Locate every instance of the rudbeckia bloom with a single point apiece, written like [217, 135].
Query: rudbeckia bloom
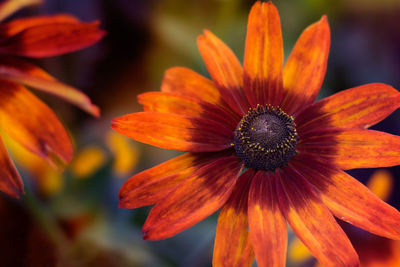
[262, 151]
[23, 116]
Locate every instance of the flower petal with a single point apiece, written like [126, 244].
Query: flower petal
[352, 148]
[305, 68]
[225, 70]
[171, 131]
[184, 105]
[152, 185]
[32, 124]
[312, 222]
[10, 181]
[8, 7]
[232, 246]
[20, 71]
[52, 39]
[184, 81]
[204, 192]
[263, 58]
[18, 25]
[267, 225]
[347, 198]
[359, 107]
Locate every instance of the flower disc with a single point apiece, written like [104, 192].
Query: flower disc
[266, 138]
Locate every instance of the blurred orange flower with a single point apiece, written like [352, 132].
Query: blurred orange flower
[23, 116]
[261, 150]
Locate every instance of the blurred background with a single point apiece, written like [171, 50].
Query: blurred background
[72, 218]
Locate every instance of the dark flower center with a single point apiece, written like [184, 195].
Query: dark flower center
[266, 138]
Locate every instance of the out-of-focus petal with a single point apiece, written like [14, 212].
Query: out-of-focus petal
[52, 39]
[347, 198]
[48, 181]
[171, 131]
[232, 246]
[359, 107]
[381, 183]
[225, 70]
[88, 161]
[197, 197]
[184, 105]
[10, 181]
[17, 25]
[125, 153]
[352, 148]
[263, 58]
[20, 71]
[298, 252]
[305, 68]
[152, 185]
[312, 222]
[8, 7]
[267, 225]
[33, 124]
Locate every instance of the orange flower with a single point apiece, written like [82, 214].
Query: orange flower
[23, 116]
[260, 149]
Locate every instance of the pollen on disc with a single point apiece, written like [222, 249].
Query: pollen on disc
[266, 138]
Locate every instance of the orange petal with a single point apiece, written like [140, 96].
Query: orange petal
[359, 107]
[52, 39]
[17, 25]
[268, 230]
[183, 81]
[32, 124]
[305, 68]
[204, 192]
[10, 181]
[232, 246]
[312, 222]
[347, 198]
[184, 105]
[8, 7]
[26, 73]
[263, 58]
[171, 131]
[225, 70]
[152, 185]
[352, 148]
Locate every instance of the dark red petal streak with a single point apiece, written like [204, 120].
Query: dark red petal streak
[347, 198]
[10, 181]
[152, 185]
[312, 222]
[225, 70]
[172, 131]
[20, 71]
[185, 105]
[359, 107]
[52, 39]
[305, 68]
[263, 58]
[32, 124]
[194, 199]
[352, 148]
[232, 246]
[267, 225]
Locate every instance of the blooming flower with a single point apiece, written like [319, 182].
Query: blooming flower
[23, 116]
[262, 151]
